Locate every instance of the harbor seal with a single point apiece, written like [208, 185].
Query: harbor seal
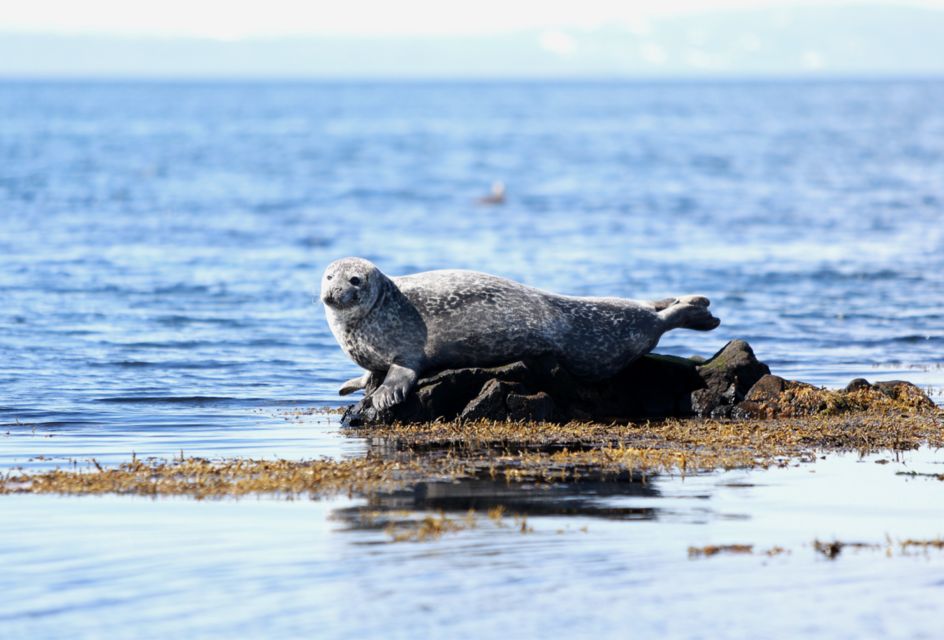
[398, 328]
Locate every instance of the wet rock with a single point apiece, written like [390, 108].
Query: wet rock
[537, 407]
[653, 386]
[490, 403]
[727, 376]
[897, 389]
[761, 397]
[774, 397]
[856, 384]
[731, 384]
[543, 390]
[905, 395]
[769, 387]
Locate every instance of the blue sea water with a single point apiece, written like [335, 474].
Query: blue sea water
[160, 247]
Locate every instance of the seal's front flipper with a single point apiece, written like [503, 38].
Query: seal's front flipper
[395, 388]
[354, 384]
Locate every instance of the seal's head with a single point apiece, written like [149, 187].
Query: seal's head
[351, 286]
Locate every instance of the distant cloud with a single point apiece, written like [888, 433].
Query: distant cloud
[653, 53]
[703, 60]
[638, 25]
[245, 19]
[750, 42]
[558, 42]
[813, 60]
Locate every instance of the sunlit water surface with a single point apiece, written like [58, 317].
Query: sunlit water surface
[160, 247]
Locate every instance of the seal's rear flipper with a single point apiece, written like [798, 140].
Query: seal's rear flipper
[689, 312]
[665, 303]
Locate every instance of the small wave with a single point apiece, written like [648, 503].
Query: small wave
[165, 399]
[915, 339]
[268, 342]
[49, 424]
[285, 204]
[314, 242]
[123, 363]
[173, 364]
[179, 320]
[170, 344]
[181, 287]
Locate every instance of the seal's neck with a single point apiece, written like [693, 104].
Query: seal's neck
[386, 288]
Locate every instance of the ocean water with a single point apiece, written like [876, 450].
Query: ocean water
[161, 245]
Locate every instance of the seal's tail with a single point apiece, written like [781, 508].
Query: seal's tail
[687, 312]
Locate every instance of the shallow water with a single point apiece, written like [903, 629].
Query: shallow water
[597, 564]
[160, 248]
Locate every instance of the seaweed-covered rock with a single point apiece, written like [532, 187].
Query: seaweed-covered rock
[731, 384]
[761, 397]
[773, 397]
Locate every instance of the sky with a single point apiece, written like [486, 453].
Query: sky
[240, 19]
[485, 38]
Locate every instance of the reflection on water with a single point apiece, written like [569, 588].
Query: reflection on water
[587, 498]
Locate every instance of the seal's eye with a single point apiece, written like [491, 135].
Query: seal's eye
[329, 277]
[355, 281]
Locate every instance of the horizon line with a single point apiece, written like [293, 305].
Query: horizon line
[702, 76]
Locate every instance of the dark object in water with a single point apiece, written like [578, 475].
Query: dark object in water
[496, 196]
[731, 384]
[832, 549]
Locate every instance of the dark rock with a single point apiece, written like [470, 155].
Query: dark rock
[727, 377]
[541, 389]
[722, 412]
[490, 403]
[769, 387]
[760, 397]
[856, 384]
[537, 407]
[896, 388]
[906, 395]
[704, 401]
[730, 384]
[653, 386]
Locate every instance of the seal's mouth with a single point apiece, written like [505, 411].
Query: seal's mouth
[339, 299]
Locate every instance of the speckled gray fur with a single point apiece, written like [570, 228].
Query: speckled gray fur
[402, 327]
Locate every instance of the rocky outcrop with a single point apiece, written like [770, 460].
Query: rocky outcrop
[731, 384]
[775, 397]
